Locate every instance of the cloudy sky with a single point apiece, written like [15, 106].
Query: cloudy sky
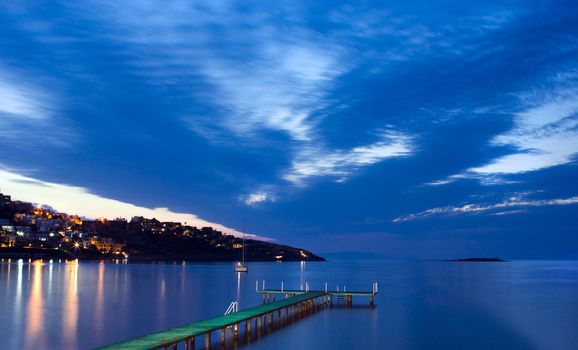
[406, 129]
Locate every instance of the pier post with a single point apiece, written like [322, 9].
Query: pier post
[208, 341]
[259, 322]
[248, 326]
[222, 336]
[349, 300]
[236, 330]
[371, 300]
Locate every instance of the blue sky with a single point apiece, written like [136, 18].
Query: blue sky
[405, 129]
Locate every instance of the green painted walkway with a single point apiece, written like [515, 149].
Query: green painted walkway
[182, 333]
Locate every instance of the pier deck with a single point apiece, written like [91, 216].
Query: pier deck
[188, 332]
[347, 296]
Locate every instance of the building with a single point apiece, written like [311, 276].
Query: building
[5, 198]
[8, 240]
[106, 245]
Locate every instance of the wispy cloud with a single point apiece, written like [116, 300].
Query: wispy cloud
[545, 133]
[28, 107]
[280, 89]
[21, 101]
[516, 202]
[78, 200]
[273, 81]
[258, 197]
[341, 164]
[260, 74]
[241, 62]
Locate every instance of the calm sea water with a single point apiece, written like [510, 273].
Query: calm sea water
[420, 305]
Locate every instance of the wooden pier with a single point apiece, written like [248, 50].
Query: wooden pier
[341, 294]
[296, 305]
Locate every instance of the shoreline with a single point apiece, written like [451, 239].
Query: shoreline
[55, 253]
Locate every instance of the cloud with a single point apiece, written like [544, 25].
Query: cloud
[258, 197]
[279, 87]
[21, 101]
[79, 201]
[544, 135]
[255, 71]
[241, 62]
[29, 107]
[341, 164]
[516, 202]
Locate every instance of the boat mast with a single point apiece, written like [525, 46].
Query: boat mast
[243, 250]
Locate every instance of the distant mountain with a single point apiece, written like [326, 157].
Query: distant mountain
[354, 255]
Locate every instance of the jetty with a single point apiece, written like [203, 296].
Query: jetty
[296, 305]
[342, 294]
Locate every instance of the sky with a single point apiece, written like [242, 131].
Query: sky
[406, 129]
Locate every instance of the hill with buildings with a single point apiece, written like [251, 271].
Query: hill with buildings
[29, 231]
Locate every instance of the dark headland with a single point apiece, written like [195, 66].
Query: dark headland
[28, 231]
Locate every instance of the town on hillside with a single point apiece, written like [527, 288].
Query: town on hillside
[29, 231]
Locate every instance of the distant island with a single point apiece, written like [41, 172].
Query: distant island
[478, 260]
[28, 231]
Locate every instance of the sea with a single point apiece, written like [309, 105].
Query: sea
[419, 305]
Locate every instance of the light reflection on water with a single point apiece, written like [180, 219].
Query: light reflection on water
[34, 334]
[518, 305]
[99, 301]
[70, 305]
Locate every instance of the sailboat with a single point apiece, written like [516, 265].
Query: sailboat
[240, 265]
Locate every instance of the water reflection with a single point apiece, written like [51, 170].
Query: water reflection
[35, 309]
[70, 306]
[238, 297]
[422, 305]
[302, 275]
[18, 297]
[99, 300]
